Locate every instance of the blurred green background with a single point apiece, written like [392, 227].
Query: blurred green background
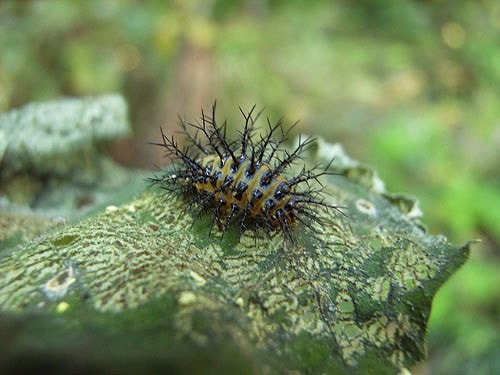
[409, 87]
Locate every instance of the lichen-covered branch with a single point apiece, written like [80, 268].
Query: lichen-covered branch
[145, 283]
[362, 288]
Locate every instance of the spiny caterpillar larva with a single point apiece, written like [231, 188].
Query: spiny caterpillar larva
[242, 181]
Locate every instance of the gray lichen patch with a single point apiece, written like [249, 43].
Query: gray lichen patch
[57, 286]
[51, 160]
[366, 207]
[50, 136]
[360, 283]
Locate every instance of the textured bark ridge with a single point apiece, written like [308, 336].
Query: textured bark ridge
[143, 285]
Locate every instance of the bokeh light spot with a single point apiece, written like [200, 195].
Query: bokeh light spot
[128, 57]
[453, 34]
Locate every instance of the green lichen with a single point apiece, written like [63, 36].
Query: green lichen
[355, 296]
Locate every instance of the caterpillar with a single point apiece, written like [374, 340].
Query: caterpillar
[242, 181]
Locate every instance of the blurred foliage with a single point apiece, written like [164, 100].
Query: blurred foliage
[410, 87]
